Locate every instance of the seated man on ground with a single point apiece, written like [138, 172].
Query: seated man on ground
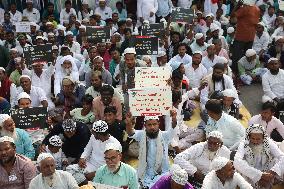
[256, 155]
[197, 159]
[116, 173]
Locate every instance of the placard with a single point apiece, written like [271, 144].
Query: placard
[145, 45]
[156, 29]
[152, 77]
[23, 27]
[28, 118]
[182, 15]
[98, 34]
[281, 5]
[102, 186]
[150, 101]
[38, 54]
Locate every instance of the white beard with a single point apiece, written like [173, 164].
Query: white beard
[257, 149]
[9, 134]
[114, 169]
[67, 71]
[49, 180]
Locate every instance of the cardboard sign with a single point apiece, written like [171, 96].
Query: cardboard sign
[156, 29]
[281, 5]
[145, 45]
[103, 186]
[182, 15]
[38, 54]
[98, 34]
[150, 101]
[29, 118]
[23, 27]
[152, 77]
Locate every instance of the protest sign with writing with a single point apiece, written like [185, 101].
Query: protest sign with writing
[281, 5]
[29, 118]
[152, 77]
[150, 101]
[23, 27]
[38, 54]
[103, 186]
[98, 34]
[156, 29]
[182, 15]
[145, 45]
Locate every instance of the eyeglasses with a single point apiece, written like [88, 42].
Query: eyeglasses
[110, 158]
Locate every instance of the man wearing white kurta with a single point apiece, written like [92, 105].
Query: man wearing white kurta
[51, 178]
[223, 176]
[272, 81]
[232, 130]
[256, 155]
[146, 10]
[197, 159]
[93, 156]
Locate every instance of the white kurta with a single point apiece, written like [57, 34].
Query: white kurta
[144, 7]
[195, 75]
[273, 85]
[94, 152]
[274, 123]
[62, 180]
[261, 42]
[208, 63]
[250, 172]
[197, 158]
[211, 181]
[187, 59]
[33, 16]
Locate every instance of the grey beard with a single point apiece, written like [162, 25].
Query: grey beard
[67, 71]
[49, 180]
[256, 149]
[9, 134]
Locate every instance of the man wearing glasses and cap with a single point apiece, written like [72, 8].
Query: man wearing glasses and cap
[115, 172]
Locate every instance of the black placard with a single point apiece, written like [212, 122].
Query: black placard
[145, 45]
[182, 15]
[38, 54]
[29, 118]
[98, 34]
[156, 29]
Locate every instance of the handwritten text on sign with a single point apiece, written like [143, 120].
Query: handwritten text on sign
[150, 101]
[152, 77]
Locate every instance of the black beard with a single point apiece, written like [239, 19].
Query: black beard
[216, 79]
[274, 72]
[152, 135]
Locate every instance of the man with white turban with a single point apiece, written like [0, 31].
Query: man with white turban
[223, 176]
[249, 67]
[231, 103]
[16, 171]
[197, 159]
[51, 178]
[116, 173]
[176, 179]
[93, 156]
[256, 155]
[21, 138]
[65, 66]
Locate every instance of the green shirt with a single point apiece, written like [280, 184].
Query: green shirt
[15, 77]
[126, 176]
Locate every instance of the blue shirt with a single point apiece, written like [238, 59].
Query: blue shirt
[24, 144]
[164, 8]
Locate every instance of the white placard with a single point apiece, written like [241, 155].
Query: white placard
[23, 27]
[150, 101]
[152, 77]
[249, 2]
[281, 5]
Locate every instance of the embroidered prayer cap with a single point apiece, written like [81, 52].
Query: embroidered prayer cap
[25, 76]
[175, 65]
[161, 54]
[113, 146]
[55, 141]
[128, 19]
[86, 20]
[82, 27]
[3, 69]
[178, 174]
[50, 34]
[61, 27]
[146, 118]
[7, 139]
[230, 30]
[198, 12]
[23, 95]
[222, 60]
[272, 59]
[198, 36]
[209, 15]
[250, 52]
[3, 118]
[261, 23]
[215, 134]
[214, 27]
[14, 49]
[54, 47]
[69, 125]
[100, 126]
[129, 51]
[69, 33]
[49, 23]
[197, 52]
[218, 163]
[98, 57]
[43, 156]
[230, 93]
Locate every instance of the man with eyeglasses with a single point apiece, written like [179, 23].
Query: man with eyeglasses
[197, 159]
[115, 172]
